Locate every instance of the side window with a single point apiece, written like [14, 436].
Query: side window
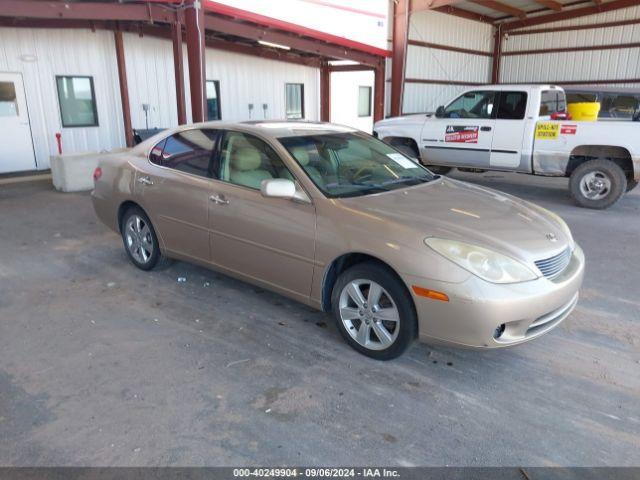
[471, 105]
[551, 101]
[188, 151]
[294, 100]
[156, 152]
[512, 105]
[77, 101]
[619, 105]
[246, 160]
[213, 100]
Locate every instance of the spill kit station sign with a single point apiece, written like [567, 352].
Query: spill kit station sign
[461, 134]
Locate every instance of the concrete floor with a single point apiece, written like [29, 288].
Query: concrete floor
[103, 364]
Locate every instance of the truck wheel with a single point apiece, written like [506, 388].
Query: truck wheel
[631, 184]
[438, 169]
[597, 184]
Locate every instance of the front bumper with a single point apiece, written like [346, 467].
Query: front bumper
[477, 308]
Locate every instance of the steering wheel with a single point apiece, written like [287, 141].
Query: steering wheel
[358, 176]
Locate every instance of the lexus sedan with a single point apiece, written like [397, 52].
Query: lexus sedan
[341, 221]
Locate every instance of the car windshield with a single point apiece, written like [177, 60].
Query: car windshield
[353, 164]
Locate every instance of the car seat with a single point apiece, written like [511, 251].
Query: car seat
[245, 167]
[301, 154]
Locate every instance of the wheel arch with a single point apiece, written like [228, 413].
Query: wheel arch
[122, 209]
[396, 141]
[616, 154]
[344, 262]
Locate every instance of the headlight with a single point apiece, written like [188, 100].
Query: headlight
[486, 264]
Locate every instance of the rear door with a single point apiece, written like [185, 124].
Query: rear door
[16, 153]
[462, 136]
[511, 123]
[174, 189]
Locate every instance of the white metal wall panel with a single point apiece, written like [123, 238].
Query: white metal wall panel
[421, 97]
[41, 54]
[564, 67]
[444, 65]
[445, 29]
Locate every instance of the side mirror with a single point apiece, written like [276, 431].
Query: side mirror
[440, 111]
[278, 188]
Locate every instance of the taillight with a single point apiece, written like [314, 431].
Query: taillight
[97, 173]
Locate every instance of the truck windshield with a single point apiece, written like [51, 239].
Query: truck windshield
[353, 164]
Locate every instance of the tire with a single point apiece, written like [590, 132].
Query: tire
[360, 323]
[438, 169]
[409, 151]
[631, 184]
[597, 184]
[140, 239]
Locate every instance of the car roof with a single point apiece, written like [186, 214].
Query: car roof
[269, 128]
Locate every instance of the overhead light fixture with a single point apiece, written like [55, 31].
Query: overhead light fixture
[274, 45]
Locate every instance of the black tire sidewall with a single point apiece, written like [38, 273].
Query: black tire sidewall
[404, 303]
[155, 256]
[631, 184]
[612, 170]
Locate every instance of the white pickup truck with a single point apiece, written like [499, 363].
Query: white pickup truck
[523, 128]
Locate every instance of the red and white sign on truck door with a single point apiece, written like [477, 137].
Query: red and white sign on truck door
[461, 134]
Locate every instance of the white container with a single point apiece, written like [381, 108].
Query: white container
[74, 172]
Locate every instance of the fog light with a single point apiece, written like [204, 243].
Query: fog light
[499, 331]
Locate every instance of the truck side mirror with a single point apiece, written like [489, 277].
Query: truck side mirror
[440, 111]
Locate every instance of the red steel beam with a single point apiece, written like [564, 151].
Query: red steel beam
[449, 48]
[587, 26]
[325, 93]
[458, 12]
[551, 4]
[613, 46]
[308, 45]
[350, 68]
[501, 7]
[195, 27]
[178, 68]
[497, 55]
[85, 10]
[417, 5]
[378, 92]
[569, 14]
[262, 52]
[441, 82]
[124, 88]
[398, 53]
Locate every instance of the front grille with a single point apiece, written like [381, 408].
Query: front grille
[553, 266]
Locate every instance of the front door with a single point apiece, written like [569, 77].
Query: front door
[176, 185]
[509, 131]
[16, 153]
[269, 240]
[462, 135]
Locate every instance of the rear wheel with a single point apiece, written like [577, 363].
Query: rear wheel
[373, 311]
[597, 184]
[140, 240]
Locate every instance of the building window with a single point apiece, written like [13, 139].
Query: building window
[8, 100]
[213, 100]
[294, 93]
[77, 101]
[364, 101]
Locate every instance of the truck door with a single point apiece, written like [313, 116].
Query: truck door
[506, 148]
[462, 133]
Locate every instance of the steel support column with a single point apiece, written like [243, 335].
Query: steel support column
[178, 66]
[497, 55]
[378, 92]
[124, 89]
[398, 53]
[325, 93]
[194, 23]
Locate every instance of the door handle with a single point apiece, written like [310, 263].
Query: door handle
[219, 199]
[145, 181]
[485, 129]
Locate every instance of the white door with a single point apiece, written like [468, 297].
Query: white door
[16, 153]
[462, 134]
[506, 149]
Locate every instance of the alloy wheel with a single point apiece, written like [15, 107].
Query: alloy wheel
[595, 185]
[138, 239]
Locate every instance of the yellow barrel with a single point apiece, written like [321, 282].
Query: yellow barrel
[584, 111]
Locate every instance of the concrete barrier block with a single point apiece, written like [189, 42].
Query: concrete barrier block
[74, 172]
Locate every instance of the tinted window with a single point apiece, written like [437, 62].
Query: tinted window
[294, 99]
[213, 100]
[364, 101]
[189, 151]
[551, 101]
[156, 152]
[471, 105]
[77, 101]
[619, 105]
[246, 160]
[512, 105]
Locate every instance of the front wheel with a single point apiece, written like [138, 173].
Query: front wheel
[597, 184]
[373, 311]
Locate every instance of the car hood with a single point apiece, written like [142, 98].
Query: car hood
[456, 210]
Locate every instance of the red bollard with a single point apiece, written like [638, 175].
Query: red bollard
[59, 140]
